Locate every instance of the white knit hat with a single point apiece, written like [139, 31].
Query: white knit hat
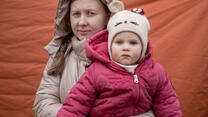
[128, 21]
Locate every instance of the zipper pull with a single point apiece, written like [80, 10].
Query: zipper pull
[136, 79]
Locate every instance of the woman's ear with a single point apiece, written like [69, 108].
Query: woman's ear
[107, 20]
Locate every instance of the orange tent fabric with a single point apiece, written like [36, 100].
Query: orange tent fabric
[178, 35]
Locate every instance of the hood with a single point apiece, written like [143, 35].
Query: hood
[97, 48]
[62, 28]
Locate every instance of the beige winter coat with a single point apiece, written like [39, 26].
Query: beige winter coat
[53, 90]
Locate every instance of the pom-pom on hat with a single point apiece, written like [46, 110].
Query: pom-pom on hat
[134, 22]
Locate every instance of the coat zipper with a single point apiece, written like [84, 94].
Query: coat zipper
[136, 80]
[137, 93]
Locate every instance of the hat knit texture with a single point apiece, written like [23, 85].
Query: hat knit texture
[128, 21]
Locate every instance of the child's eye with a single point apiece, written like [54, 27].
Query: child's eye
[133, 42]
[119, 42]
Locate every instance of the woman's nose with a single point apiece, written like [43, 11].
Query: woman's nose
[83, 20]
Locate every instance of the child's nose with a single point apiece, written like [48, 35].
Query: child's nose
[125, 47]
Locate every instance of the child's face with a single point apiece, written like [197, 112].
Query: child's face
[126, 48]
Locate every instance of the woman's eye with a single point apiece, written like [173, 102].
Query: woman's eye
[91, 13]
[76, 14]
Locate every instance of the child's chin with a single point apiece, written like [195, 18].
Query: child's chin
[125, 63]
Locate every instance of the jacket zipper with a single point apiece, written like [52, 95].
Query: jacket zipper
[136, 86]
[136, 80]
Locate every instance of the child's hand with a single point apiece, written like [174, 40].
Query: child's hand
[150, 113]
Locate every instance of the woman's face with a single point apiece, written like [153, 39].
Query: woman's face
[87, 17]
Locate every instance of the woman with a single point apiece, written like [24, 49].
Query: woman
[76, 21]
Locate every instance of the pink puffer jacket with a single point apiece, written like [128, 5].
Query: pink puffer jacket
[107, 90]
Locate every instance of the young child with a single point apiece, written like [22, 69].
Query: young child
[123, 80]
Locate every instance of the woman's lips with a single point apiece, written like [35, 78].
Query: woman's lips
[84, 32]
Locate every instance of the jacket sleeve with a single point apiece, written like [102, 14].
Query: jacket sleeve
[79, 101]
[165, 102]
[47, 102]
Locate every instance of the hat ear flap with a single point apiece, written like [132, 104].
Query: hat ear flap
[115, 6]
